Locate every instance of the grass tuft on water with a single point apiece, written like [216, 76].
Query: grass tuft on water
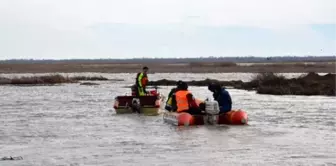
[37, 80]
[93, 78]
[46, 80]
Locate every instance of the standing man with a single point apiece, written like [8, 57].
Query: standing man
[141, 82]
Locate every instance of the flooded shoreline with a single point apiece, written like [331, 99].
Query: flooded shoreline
[129, 77]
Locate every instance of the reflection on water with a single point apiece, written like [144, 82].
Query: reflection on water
[76, 125]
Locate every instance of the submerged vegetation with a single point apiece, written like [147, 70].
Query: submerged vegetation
[275, 84]
[88, 83]
[38, 80]
[94, 78]
[309, 84]
[46, 80]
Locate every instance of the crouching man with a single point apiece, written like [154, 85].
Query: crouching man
[222, 96]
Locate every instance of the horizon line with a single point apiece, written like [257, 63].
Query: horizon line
[172, 58]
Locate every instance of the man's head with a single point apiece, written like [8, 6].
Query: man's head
[178, 83]
[213, 87]
[145, 69]
[182, 85]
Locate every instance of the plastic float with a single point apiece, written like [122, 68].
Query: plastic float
[148, 105]
[211, 117]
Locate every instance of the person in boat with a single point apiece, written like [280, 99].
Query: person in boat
[184, 101]
[222, 96]
[169, 104]
[141, 82]
[174, 90]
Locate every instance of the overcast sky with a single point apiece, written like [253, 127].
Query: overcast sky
[62, 29]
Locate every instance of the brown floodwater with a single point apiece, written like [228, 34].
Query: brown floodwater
[76, 125]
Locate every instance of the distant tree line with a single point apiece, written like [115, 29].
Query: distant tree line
[248, 59]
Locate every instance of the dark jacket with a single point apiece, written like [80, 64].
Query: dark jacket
[172, 91]
[224, 100]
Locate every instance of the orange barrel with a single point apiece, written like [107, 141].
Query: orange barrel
[185, 119]
[178, 119]
[233, 117]
[239, 117]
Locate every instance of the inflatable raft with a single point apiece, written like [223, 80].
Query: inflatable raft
[211, 117]
[147, 105]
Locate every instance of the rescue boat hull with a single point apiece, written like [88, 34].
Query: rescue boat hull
[146, 105]
[234, 117]
[145, 111]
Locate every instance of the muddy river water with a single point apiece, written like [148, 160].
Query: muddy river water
[74, 125]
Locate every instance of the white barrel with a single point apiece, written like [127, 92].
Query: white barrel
[212, 107]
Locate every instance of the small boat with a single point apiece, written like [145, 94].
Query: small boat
[211, 117]
[148, 105]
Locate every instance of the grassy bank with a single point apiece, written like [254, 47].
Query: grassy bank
[270, 83]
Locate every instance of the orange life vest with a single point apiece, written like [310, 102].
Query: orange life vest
[181, 100]
[144, 81]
